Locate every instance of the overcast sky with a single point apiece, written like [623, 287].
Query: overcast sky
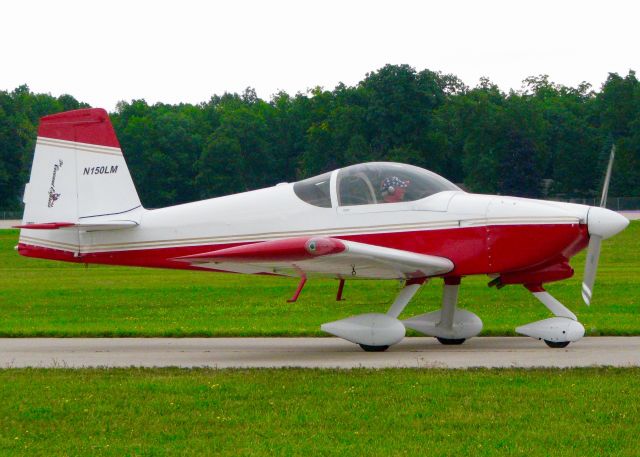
[186, 51]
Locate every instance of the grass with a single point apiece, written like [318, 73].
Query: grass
[44, 298]
[320, 412]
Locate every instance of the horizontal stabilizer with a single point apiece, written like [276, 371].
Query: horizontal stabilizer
[106, 225]
[45, 226]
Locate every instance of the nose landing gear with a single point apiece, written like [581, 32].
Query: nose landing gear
[558, 331]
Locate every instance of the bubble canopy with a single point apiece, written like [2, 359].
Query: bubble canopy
[373, 183]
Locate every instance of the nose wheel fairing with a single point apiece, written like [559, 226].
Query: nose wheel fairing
[556, 331]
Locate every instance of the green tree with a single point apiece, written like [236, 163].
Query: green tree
[619, 108]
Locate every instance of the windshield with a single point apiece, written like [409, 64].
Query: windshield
[382, 182]
[315, 191]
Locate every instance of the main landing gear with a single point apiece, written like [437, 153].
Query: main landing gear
[376, 332]
[558, 331]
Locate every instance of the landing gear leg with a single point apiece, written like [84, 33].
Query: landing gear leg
[448, 312]
[410, 288]
[450, 324]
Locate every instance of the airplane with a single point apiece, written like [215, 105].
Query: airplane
[369, 221]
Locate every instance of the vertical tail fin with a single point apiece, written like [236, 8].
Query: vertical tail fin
[79, 175]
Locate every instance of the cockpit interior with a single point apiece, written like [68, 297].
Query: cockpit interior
[371, 184]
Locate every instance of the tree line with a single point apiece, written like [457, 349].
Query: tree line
[544, 139]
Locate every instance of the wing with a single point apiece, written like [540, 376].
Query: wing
[322, 256]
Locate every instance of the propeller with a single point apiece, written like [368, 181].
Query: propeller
[602, 224]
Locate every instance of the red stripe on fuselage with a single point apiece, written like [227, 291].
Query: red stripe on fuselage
[473, 250]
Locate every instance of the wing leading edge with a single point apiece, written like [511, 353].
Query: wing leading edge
[322, 256]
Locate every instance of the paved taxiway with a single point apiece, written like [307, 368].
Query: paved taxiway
[311, 352]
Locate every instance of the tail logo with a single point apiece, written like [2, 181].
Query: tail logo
[53, 195]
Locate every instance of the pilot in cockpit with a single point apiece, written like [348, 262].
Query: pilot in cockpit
[393, 189]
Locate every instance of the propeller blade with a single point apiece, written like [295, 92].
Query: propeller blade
[601, 223]
[607, 178]
[590, 268]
